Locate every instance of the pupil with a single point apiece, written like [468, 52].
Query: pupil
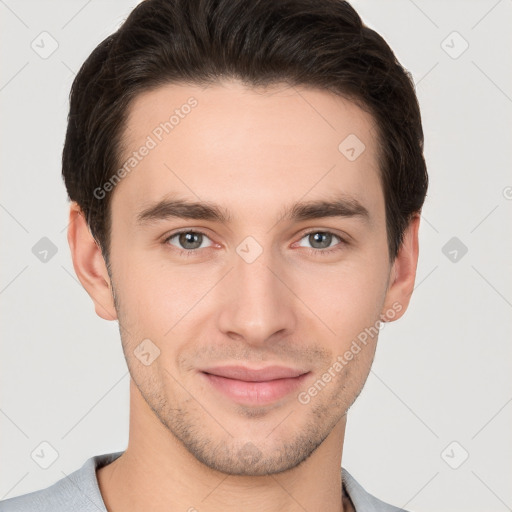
[317, 239]
[190, 238]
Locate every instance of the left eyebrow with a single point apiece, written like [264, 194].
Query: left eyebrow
[341, 206]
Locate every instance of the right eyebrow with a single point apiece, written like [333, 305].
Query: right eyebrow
[167, 208]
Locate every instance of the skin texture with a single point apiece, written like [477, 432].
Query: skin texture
[253, 152]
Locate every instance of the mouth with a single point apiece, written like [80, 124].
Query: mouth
[254, 386]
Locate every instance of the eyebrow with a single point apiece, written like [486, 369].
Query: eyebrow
[341, 206]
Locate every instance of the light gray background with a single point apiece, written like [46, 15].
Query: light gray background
[441, 374]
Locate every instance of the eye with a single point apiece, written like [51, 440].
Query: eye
[188, 240]
[321, 240]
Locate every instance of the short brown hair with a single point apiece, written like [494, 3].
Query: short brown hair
[317, 43]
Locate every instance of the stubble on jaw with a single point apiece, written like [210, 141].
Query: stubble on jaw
[214, 443]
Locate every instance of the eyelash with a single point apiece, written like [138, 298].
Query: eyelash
[311, 251]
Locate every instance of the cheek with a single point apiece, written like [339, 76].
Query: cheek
[346, 299]
[157, 296]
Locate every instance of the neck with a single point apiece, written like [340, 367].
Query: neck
[156, 468]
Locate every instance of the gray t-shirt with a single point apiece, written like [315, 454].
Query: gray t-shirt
[80, 492]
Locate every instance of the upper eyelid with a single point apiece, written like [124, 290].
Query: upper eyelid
[330, 231]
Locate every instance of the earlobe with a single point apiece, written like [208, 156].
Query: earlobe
[403, 274]
[89, 264]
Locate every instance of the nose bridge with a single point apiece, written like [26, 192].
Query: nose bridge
[258, 304]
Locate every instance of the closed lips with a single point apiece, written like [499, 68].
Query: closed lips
[255, 375]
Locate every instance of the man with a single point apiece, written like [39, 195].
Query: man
[246, 179]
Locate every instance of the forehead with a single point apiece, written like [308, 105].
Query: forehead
[251, 148]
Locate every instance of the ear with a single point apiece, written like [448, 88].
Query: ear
[402, 274]
[89, 264]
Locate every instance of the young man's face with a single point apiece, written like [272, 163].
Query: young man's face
[262, 287]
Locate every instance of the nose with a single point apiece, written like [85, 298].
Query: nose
[257, 304]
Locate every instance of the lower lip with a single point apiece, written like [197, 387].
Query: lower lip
[255, 393]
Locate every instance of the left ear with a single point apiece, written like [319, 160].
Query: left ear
[403, 274]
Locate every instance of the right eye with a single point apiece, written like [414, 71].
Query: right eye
[187, 240]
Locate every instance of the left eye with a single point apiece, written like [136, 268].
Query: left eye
[320, 239]
[188, 240]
